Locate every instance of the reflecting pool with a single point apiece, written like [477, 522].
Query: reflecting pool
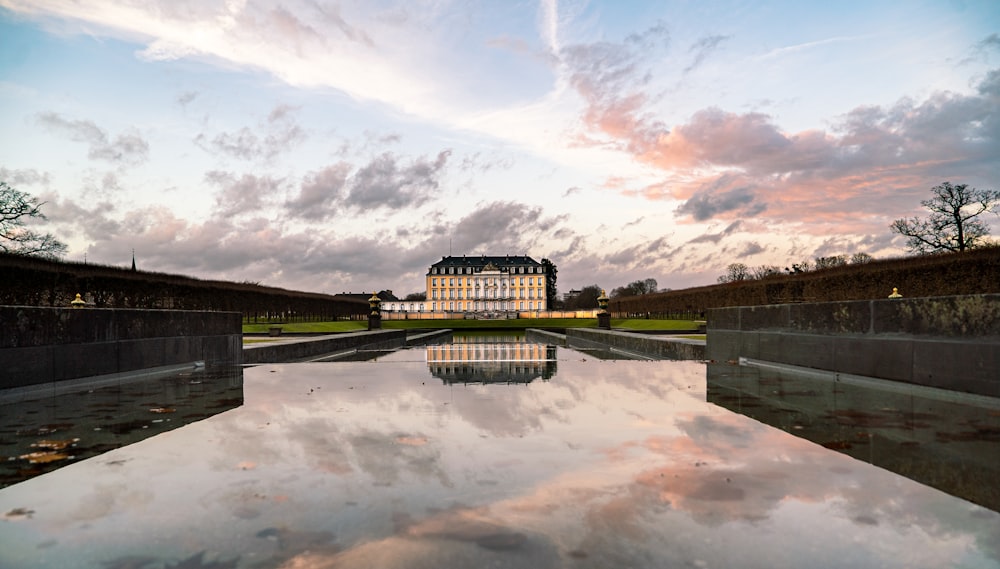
[428, 457]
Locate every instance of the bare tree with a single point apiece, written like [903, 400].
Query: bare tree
[635, 288]
[16, 207]
[831, 261]
[586, 298]
[953, 224]
[765, 271]
[735, 272]
[803, 267]
[860, 258]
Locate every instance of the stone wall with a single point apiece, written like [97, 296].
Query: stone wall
[544, 337]
[42, 344]
[948, 342]
[305, 348]
[660, 347]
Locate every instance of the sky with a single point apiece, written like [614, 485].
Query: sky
[345, 146]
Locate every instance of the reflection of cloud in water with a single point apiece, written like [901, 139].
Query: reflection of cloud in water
[386, 460]
[322, 445]
[106, 498]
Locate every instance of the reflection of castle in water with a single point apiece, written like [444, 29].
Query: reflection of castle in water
[491, 359]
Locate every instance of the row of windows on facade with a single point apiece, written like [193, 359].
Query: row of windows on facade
[465, 305]
[468, 293]
[490, 305]
[470, 270]
[489, 281]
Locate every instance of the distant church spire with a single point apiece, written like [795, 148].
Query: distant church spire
[133, 259]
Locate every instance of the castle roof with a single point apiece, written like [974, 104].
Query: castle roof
[478, 262]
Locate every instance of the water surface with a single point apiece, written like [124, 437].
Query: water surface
[396, 463]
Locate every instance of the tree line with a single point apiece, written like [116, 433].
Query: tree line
[974, 271]
[736, 272]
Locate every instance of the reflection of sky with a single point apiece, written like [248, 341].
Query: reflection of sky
[617, 464]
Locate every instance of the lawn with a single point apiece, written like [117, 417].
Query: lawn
[643, 324]
[301, 327]
[520, 324]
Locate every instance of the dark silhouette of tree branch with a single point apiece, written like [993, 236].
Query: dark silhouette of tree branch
[15, 208]
[953, 224]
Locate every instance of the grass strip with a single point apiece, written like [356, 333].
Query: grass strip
[518, 324]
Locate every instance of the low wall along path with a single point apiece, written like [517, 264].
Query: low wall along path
[41, 344]
[950, 342]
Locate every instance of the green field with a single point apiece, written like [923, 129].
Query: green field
[521, 324]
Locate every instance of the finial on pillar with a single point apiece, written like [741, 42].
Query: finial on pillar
[895, 293]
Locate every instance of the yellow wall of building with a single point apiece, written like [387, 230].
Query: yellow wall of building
[461, 290]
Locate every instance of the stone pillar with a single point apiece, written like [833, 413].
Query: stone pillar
[375, 316]
[603, 316]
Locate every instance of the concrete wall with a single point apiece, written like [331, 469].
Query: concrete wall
[41, 344]
[297, 350]
[660, 347]
[544, 337]
[947, 342]
[429, 337]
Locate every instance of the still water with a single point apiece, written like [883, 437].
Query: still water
[488, 452]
